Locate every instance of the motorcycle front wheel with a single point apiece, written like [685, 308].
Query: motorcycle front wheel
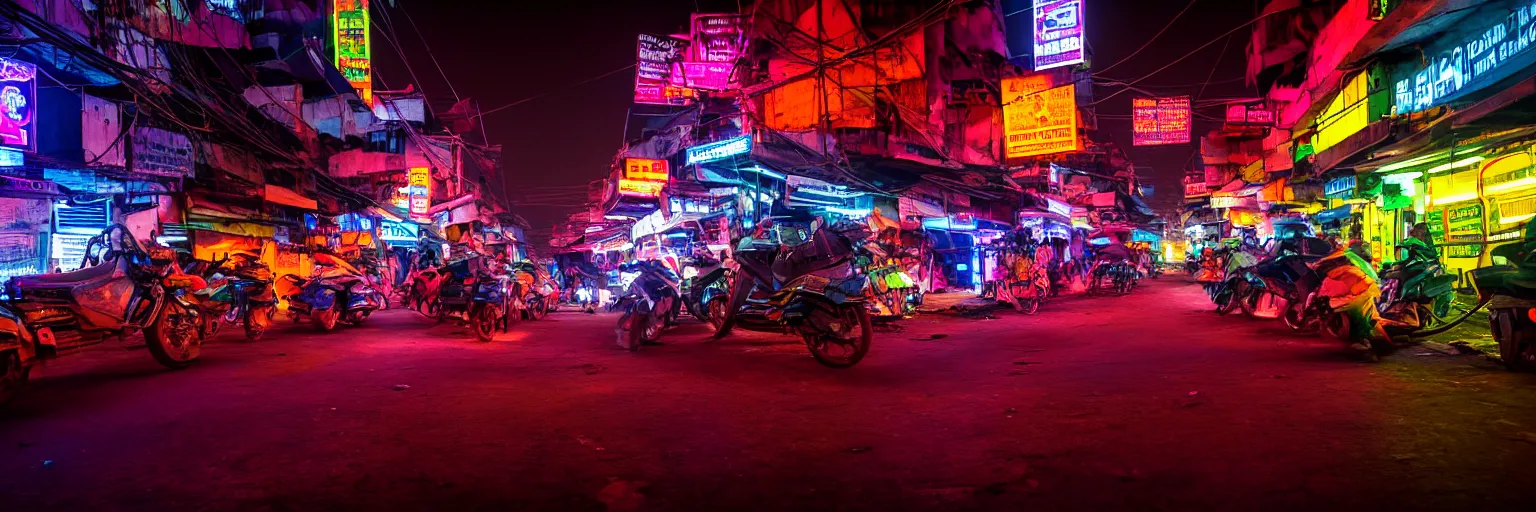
[257, 320]
[839, 336]
[631, 331]
[716, 311]
[173, 339]
[325, 319]
[485, 323]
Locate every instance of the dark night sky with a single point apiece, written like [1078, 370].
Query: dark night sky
[498, 52]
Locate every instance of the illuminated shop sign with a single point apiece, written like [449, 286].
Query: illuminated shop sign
[637, 188]
[1478, 60]
[1058, 33]
[1253, 115]
[659, 77]
[645, 169]
[350, 37]
[398, 231]
[1058, 207]
[1042, 123]
[419, 183]
[720, 150]
[1234, 202]
[1339, 186]
[18, 104]
[1160, 121]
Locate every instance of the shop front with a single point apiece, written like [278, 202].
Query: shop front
[960, 246]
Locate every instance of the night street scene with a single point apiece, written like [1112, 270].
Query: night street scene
[764, 255]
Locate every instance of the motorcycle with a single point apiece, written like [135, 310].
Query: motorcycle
[539, 290]
[122, 289]
[1509, 290]
[478, 297]
[335, 291]
[377, 275]
[893, 293]
[243, 296]
[1026, 288]
[707, 295]
[1416, 295]
[811, 288]
[421, 293]
[650, 301]
[1343, 305]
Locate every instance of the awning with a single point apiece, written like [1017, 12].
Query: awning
[654, 223]
[450, 204]
[1334, 214]
[287, 197]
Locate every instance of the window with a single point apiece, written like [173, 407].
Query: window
[386, 141]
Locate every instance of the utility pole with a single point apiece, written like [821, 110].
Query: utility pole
[821, 76]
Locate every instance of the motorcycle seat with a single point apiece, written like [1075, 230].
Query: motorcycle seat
[88, 275]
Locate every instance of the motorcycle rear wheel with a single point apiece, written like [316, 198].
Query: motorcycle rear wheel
[173, 339]
[854, 345]
[14, 375]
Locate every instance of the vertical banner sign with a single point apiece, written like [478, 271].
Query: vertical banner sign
[18, 103]
[1160, 121]
[1042, 123]
[646, 169]
[419, 180]
[349, 35]
[658, 71]
[1058, 33]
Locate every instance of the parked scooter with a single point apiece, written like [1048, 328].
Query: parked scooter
[336, 291]
[540, 293]
[474, 295]
[422, 290]
[1509, 290]
[707, 294]
[650, 302]
[121, 290]
[1344, 303]
[240, 291]
[809, 288]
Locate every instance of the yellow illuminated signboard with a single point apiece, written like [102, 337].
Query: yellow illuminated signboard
[419, 181]
[1042, 123]
[639, 188]
[645, 169]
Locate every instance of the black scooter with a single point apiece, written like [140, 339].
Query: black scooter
[810, 288]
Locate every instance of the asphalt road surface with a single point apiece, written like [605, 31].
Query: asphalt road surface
[1147, 402]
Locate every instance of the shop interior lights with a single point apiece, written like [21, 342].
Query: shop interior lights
[1455, 165]
[1453, 198]
[1510, 185]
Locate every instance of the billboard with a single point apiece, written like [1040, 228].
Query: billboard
[419, 182]
[18, 104]
[1160, 121]
[349, 36]
[1042, 123]
[1058, 33]
[1250, 114]
[718, 41]
[659, 78]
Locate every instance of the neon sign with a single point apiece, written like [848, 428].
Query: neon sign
[719, 150]
[1058, 33]
[645, 169]
[637, 188]
[419, 181]
[350, 38]
[1477, 59]
[18, 102]
[1160, 121]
